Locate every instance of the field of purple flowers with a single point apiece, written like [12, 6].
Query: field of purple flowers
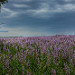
[51, 55]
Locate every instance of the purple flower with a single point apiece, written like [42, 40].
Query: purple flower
[21, 51]
[53, 72]
[67, 68]
[22, 67]
[16, 70]
[28, 73]
[45, 73]
[4, 48]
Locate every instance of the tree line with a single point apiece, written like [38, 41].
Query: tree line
[3, 2]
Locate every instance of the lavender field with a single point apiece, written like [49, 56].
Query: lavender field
[50, 55]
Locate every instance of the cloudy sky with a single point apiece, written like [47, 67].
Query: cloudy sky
[37, 18]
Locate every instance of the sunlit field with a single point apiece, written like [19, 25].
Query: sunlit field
[50, 55]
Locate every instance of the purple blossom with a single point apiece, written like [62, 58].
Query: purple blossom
[21, 51]
[17, 70]
[45, 73]
[53, 72]
[22, 67]
[28, 73]
[67, 69]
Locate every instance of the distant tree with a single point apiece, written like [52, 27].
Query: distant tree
[3, 2]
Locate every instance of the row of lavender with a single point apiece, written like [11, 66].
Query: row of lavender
[51, 55]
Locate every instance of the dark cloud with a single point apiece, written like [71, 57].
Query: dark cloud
[3, 31]
[46, 15]
[2, 23]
